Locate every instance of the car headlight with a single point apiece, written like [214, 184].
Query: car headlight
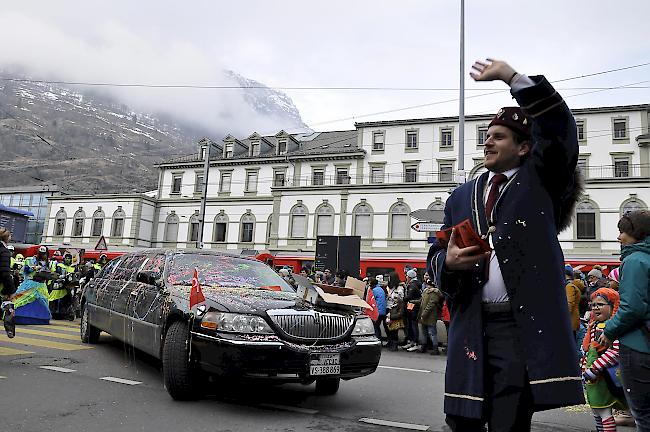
[235, 323]
[363, 327]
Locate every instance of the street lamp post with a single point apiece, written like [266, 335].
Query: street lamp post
[461, 108]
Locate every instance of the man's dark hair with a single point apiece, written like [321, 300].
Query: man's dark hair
[635, 223]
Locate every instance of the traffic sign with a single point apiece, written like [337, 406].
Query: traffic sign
[101, 244]
[426, 226]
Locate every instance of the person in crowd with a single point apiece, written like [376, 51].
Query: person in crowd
[304, 272]
[631, 323]
[511, 354]
[340, 278]
[595, 280]
[7, 285]
[328, 277]
[430, 306]
[32, 304]
[319, 277]
[395, 312]
[411, 301]
[573, 295]
[598, 358]
[612, 279]
[380, 300]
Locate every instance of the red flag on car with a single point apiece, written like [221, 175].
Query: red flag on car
[196, 295]
[373, 313]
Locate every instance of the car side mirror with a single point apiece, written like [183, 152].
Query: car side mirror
[149, 277]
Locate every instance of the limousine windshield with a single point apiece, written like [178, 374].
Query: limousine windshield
[225, 271]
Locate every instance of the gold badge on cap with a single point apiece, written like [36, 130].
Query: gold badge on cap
[525, 121]
[500, 113]
[515, 117]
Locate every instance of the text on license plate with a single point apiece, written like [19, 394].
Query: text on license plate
[325, 364]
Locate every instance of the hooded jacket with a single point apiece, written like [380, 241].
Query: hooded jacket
[634, 309]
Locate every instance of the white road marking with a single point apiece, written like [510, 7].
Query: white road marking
[121, 380]
[57, 369]
[394, 424]
[290, 408]
[405, 369]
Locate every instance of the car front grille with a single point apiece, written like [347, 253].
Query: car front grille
[311, 325]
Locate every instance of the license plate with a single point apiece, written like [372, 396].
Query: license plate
[325, 364]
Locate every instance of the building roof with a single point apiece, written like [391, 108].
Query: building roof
[4, 208]
[30, 189]
[316, 143]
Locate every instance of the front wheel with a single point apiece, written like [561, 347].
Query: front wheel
[179, 375]
[89, 333]
[327, 386]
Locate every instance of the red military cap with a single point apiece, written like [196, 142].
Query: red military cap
[513, 118]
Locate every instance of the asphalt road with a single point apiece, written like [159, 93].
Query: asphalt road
[50, 381]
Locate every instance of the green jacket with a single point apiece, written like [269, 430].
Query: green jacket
[430, 306]
[634, 309]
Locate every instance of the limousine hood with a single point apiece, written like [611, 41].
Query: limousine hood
[242, 300]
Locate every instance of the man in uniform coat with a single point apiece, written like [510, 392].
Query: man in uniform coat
[511, 350]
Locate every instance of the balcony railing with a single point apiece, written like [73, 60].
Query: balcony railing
[618, 171]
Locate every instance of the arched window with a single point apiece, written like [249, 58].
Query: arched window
[438, 213]
[399, 221]
[98, 223]
[59, 223]
[117, 225]
[362, 223]
[324, 220]
[632, 204]
[269, 228]
[171, 229]
[247, 228]
[476, 171]
[220, 232]
[586, 217]
[193, 231]
[298, 221]
[78, 223]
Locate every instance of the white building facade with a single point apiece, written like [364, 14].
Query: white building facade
[280, 192]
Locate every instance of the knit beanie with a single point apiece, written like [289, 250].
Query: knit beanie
[412, 274]
[595, 272]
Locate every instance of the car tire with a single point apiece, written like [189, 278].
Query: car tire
[89, 333]
[327, 386]
[179, 375]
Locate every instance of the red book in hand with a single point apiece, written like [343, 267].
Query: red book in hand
[465, 237]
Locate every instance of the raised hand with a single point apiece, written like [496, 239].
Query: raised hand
[462, 258]
[492, 70]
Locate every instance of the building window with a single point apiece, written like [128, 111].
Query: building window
[481, 135]
[620, 128]
[220, 228]
[446, 171]
[318, 177]
[117, 225]
[412, 139]
[282, 147]
[342, 176]
[202, 152]
[324, 220]
[171, 229]
[410, 173]
[580, 126]
[224, 184]
[446, 138]
[247, 228]
[298, 220]
[59, 224]
[251, 181]
[228, 150]
[363, 221]
[583, 166]
[97, 228]
[279, 178]
[399, 221]
[78, 223]
[585, 221]
[621, 167]
[376, 174]
[378, 141]
[255, 148]
[195, 227]
[198, 183]
[177, 182]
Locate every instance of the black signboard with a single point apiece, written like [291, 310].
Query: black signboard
[338, 253]
[16, 223]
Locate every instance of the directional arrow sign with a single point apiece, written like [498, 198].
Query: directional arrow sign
[426, 226]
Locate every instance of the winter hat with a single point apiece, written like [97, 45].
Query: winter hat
[613, 275]
[412, 274]
[514, 119]
[284, 272]
[595, 272]
[568, 270]
[380, 278]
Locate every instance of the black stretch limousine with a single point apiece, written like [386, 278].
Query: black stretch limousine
[251, 325]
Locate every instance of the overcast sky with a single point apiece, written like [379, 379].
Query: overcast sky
[335, 43]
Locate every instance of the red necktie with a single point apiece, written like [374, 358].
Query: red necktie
[496, 181]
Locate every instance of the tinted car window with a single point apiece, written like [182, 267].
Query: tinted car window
[108, 268]
[155, 264]
[128, 266]
[225, 271]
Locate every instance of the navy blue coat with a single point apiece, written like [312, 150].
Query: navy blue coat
[528, 218]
